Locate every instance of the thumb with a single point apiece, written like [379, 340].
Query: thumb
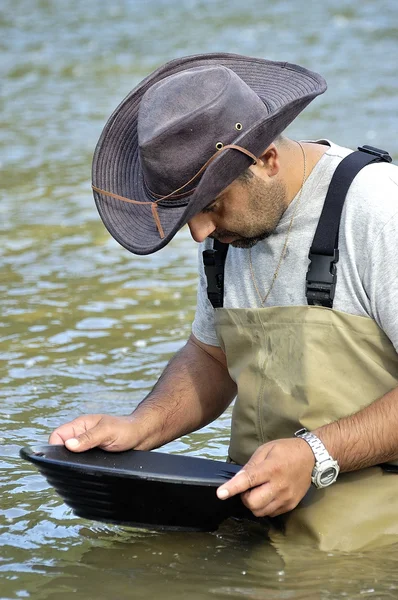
[87, 440]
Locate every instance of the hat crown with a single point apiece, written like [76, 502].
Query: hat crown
[183, 118]
[167, 128]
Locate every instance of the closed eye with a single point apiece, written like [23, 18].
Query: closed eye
[210, 208]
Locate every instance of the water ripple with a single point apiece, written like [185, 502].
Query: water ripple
[87, 327]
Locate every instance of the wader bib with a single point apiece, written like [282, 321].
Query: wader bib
[306, 366]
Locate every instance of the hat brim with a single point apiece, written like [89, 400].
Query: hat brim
[285, 88]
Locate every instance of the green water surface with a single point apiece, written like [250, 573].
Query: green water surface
[88, 327]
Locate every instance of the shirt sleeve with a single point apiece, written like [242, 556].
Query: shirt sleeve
[203, 327]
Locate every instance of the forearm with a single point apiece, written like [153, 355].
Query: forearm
[278, 474]
[366, 438]
[194, 389]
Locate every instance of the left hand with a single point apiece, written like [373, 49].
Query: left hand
[275, 479]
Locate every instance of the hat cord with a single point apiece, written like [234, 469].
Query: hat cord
[174, 195]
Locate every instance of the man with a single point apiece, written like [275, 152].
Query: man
[199, 142]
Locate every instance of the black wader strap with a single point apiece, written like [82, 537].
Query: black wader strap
[214, 264]
[389, 468]
[324, 253]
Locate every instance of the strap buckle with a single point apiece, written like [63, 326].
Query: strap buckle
[321, 279]
[381, 154]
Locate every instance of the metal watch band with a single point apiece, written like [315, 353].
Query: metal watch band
[326, 469]
[318, 448]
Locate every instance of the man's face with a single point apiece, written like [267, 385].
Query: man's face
[246, 212]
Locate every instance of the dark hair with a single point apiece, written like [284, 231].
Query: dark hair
[245, 176]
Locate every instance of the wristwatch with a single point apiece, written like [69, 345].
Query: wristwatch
[326, 468]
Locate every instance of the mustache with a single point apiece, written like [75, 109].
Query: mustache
[240, 241]
[219, 234]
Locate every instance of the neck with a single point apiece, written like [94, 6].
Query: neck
[292, 163]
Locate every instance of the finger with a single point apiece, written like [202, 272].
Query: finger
[238, 484]
[99, 435]
[273, 509]
[73, 428]
[67, 431]
[258, 498]
[264, 504]
[56, 438]
[273, 506]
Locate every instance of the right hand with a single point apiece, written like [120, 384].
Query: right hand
[113, 434]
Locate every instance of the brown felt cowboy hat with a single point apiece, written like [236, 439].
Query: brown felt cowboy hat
[184, 134]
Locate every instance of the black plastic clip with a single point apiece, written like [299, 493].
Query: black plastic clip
[382, 154]
[214, 271]
[321, 279]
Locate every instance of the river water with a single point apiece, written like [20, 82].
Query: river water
[87, 327]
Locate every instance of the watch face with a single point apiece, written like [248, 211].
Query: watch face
[328, 476]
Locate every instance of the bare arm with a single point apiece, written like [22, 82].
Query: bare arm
[366, 438]
[194, 389]
[278, 474]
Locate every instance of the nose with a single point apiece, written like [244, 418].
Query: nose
[201, 226]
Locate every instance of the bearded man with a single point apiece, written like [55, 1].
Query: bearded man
[301, 330]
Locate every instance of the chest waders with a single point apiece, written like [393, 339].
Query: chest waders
[306, 366]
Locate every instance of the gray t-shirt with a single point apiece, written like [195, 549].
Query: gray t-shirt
[367, 283]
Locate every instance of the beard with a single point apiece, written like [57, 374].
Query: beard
[241, 241]
[265, 207]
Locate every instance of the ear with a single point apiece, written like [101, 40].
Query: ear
[269, 160]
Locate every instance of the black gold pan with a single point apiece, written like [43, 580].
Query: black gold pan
[144, 489]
